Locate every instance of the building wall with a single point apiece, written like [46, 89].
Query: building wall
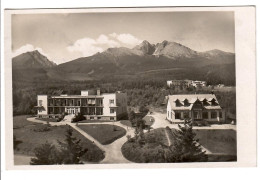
[107, 105]
[169, 115]
[43, 99]
[169, 83]
[118, 106]
[217, 119]
[121, 102]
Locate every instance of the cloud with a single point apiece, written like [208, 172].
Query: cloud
[126, 38]
[27, 48]
[88, 46]
[103, 39]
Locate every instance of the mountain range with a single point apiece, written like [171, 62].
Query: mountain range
[165, 60]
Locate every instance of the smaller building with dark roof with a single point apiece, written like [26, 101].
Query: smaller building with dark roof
[194, 107]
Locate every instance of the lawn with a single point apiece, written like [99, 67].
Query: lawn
[218, 141]
[48, 119]
[126, 123]
[104, 133]
[20, 122]
[151, 152]
[93, 121]
[32, 135]
[149, 120]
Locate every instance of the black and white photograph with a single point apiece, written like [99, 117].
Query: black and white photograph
[123, 87]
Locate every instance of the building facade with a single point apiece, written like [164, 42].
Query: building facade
[196, 107]
[92, 104]
[198, 83]
[179, 84]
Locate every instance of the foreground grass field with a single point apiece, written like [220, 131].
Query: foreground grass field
[220, 142]
[32, 135]
[104, 133]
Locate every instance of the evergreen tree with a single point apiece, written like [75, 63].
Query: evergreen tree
[46, 154]
[185, 147]
[71, 150]
[70, 153]
[131, 115]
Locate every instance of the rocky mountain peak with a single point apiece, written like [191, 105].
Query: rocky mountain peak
[145, 47]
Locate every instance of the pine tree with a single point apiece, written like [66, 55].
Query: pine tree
[46, 154]
[185, 147]
[71, 150]
[70, 153]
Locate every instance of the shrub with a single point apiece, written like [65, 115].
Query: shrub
[123, 116]
[131, 115]
[128, 137]
[70, 152]
[78, 117]
[143, 109]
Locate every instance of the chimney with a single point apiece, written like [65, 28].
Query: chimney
[98, 92]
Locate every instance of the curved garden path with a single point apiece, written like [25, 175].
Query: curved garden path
[113, 153]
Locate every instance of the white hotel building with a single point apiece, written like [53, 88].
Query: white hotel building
[92, 104]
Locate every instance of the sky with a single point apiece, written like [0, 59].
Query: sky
[64, 37]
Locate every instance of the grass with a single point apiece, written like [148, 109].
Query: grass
[104, 133]
[20, 122]
[218, 141]
[93, 121]
[149, 120]
[32, 135]
[47, 119]
[126, 123]
[150, 152]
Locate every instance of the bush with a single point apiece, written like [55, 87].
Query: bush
[131, 115]
[78, 117]
[143, 109]
[128, 137]
[123, 116]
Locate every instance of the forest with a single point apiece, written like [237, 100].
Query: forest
[141, 92]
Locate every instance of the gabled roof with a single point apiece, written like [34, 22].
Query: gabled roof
[192, 98]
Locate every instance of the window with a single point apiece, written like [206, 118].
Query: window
[205, 115]
[186, 102]
[78, 102]
[220, 114]
[177, 115]
[178, 103]
[112, 118]
[99, 118]
[186, 114]
[112, 111]
[213, 115]
[91, 118]
[40, 102]
[111, 101]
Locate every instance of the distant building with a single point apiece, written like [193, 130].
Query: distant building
[195, 107]
[198, 83]
[179, 83]
[92, 104]
[220, 85]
